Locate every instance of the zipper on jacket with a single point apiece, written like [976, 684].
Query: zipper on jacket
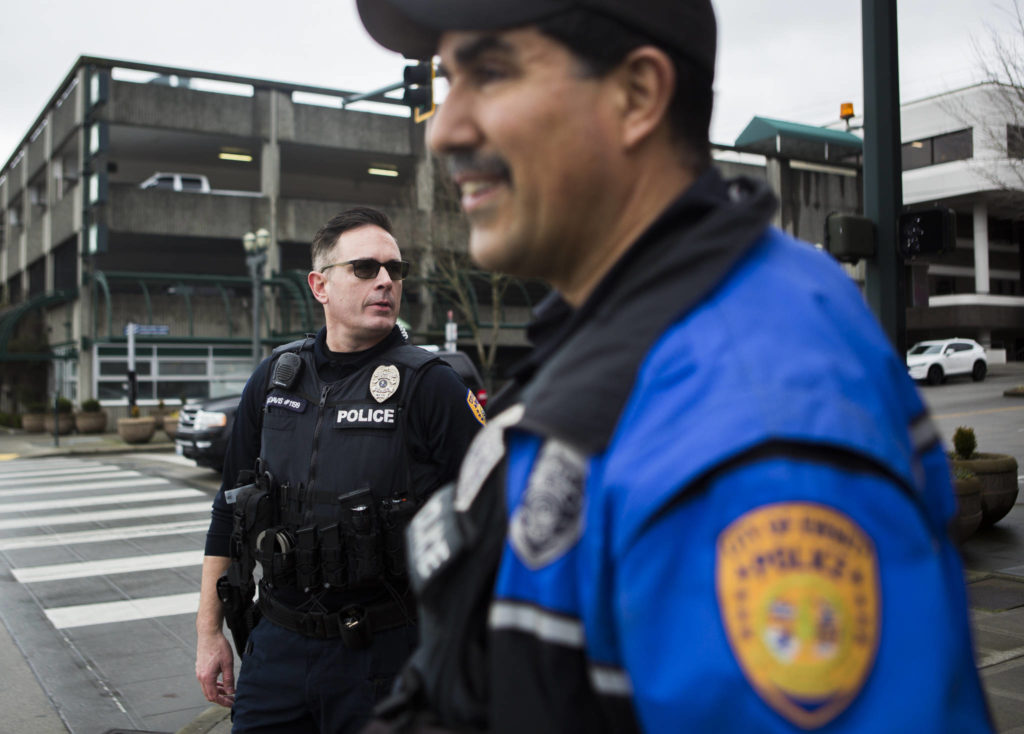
[316, 439]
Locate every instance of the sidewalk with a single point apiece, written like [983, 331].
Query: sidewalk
[994, 560]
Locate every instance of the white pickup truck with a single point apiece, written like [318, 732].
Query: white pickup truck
[177, 182]
[193, 182]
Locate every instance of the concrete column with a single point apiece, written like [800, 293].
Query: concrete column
[425, 206]
[50, 197]
[777, 171]
[981, 273]
[985, 338]
[5, 234]
[270, 181]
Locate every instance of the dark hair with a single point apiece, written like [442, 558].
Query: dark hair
[600, 44]
[358, 216]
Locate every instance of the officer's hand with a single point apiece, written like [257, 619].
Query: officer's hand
[215, 668]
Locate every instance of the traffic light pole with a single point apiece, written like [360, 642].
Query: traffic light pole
[883, 184]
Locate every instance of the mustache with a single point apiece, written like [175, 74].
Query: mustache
[469, 161]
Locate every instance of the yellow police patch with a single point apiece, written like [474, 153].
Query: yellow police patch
[474, 405]
[798, 591]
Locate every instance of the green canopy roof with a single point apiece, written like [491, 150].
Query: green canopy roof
[778, 138]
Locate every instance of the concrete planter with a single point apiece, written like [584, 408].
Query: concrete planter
[968, 508]
[65, 423]
[95, 422]
[158, 414]
[136, 430]
[998, 476]
[171, 425]
[33, 422]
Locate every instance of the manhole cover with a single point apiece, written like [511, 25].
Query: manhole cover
[996, 595]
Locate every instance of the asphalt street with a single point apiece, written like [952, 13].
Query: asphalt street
[99, 571]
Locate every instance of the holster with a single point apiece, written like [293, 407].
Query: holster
[240, 610]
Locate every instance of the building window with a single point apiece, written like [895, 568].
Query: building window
[955, 146]
[958, 146]
[171, 371]
[1014, 141]
[917, 154]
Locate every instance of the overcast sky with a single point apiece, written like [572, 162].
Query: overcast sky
[789, 59]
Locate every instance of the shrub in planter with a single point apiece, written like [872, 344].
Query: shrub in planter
[92, 418]
[34, 419]
[64, 420]
[171, 424]
[159, 413]
[996, 472]
[136, 429]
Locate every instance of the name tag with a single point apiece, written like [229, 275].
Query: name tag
[296, 405]
[365, 416]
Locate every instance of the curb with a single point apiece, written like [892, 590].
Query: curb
[112, 449]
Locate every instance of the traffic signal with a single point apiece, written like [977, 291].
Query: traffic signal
[927, 232]
[418, 79]
[850, 237]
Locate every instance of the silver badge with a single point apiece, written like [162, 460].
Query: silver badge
[549, 520]
[384, 382]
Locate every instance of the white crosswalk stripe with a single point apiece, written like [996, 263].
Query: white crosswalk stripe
[123, 611]
[104, 499]
[104, 535]
[8, 476]
[83, 569]
[73, 518]
[85, 487]
[68, 475]
[72, 503]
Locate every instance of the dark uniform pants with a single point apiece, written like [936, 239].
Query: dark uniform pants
[293, 683]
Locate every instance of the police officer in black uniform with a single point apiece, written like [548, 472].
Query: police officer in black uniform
[339, 438]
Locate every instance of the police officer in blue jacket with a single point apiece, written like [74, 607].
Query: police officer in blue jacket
[713, 501]
[353, 429]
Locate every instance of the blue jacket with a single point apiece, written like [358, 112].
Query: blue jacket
[779, 391]
[716, 504]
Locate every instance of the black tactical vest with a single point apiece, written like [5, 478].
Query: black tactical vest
[338, 456]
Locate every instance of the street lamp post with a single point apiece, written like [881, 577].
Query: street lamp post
[256, 244]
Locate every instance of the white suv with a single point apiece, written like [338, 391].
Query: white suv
[935, 360]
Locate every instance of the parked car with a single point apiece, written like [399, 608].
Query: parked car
[464, 366]
[177, 182]
[937, 359]
[205, 427]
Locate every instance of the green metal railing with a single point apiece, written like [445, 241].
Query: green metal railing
[290, 298]
[9, 323]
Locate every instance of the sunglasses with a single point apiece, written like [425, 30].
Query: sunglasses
[367, 268]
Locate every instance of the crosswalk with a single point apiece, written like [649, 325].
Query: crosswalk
[68, 519]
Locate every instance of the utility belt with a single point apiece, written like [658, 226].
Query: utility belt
[362, 544]
[355, 624]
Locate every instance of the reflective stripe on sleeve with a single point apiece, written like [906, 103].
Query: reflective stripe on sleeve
[545, 625]
[610, 681]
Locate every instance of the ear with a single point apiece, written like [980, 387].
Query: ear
[317, 281]
[647, 80]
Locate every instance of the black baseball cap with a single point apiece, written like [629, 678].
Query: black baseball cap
[413, 27]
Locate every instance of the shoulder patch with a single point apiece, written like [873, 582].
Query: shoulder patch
[549, 520]
[798, 591]
[476, 408]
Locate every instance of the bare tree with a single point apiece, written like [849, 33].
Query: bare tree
[457, 283]
[996, 111]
